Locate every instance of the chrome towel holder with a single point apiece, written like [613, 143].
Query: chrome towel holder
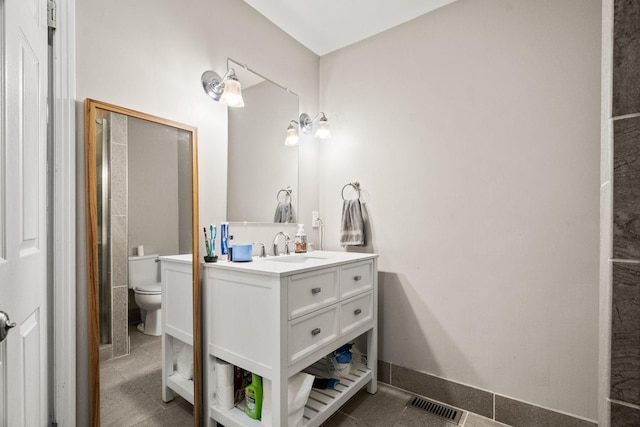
[287, 192]
[356, 187]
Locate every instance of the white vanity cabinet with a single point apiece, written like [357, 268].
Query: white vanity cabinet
[176, 273]
[281, 315]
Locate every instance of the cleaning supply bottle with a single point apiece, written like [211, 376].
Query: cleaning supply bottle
[253, 397]
[301, 240]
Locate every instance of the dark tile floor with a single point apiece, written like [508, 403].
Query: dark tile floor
[131, 390]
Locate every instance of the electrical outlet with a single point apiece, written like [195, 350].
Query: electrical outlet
[315, 219]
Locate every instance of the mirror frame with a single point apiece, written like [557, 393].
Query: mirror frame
[91, 206]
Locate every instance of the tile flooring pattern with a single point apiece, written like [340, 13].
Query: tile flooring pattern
[131, 388]
[131, 395]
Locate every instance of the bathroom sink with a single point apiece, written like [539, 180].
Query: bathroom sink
[293, 259]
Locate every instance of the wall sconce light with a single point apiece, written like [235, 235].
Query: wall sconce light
[306, 124]
[227, 90]
[292, 134]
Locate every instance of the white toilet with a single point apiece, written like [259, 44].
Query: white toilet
[144, 279]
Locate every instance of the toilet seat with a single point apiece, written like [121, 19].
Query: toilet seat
[148, 289]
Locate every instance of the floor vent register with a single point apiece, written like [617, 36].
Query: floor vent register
[438, 409]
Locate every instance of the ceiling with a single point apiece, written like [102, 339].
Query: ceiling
[327, 25]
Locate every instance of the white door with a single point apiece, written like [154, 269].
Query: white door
[23, 294]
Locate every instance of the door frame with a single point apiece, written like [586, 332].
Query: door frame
[63, 402]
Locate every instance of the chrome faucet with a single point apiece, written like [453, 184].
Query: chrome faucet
[287, 240]
[263, 253]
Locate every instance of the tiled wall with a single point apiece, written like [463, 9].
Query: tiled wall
[119, 233]
[625, 263]
[491, 405]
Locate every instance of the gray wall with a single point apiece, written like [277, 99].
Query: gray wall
[474, 132]
[153, 188]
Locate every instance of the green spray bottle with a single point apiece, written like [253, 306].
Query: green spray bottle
[253, 397]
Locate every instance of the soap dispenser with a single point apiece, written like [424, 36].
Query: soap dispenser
[301, 240]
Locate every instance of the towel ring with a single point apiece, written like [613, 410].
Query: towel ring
[355, 185]
[287, 192]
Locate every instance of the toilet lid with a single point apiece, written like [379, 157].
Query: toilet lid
[149, 289]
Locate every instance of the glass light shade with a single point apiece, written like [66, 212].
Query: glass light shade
[232, 95]
[292, 137]
[322, 131]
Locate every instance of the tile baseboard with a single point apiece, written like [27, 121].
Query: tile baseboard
[384, 372]
[517, 413]
[445, 391]
[624, 416]
[482, 402]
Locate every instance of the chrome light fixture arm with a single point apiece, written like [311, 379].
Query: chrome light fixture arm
[307, 123]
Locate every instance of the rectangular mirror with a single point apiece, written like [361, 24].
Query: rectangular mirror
[142, 240]
[262, 171]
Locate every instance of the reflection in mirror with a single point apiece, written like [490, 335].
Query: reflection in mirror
[143, 196]
[262, 184]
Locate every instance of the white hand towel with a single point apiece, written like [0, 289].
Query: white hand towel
[352, 227]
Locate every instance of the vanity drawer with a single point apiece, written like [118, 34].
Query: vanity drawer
[356, 278]
[308, 333]
[356, 312]
[310, 291]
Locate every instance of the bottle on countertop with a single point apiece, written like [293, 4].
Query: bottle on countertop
[253, 397]
[224, 238]
[301, 240]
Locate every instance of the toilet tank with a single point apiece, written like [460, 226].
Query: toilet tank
[143, 270]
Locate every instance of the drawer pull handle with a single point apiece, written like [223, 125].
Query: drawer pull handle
[357, 278]
[315, 332]
[357, 311]
[316, 290]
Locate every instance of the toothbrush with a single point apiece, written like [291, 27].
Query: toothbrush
[213, 239]
[206, 241]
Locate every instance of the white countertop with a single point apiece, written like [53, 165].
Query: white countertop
[183, 259]
[285, 265]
